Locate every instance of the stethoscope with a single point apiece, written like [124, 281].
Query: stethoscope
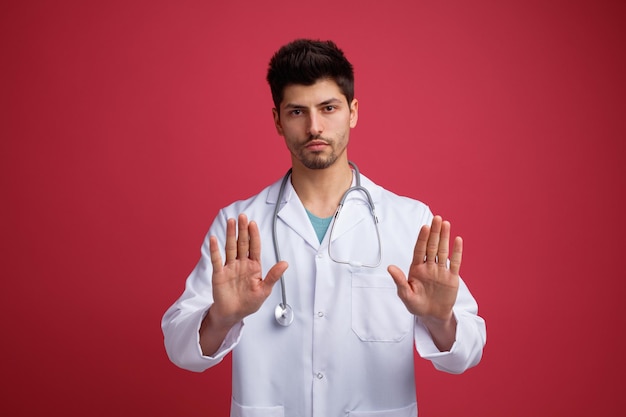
[283, 311]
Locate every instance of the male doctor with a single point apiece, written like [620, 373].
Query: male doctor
[363, 294]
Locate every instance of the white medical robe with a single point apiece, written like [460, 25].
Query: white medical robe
[349, 350]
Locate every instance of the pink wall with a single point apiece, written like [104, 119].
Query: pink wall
[124, 125]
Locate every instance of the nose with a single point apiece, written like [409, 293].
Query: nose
[315, 124]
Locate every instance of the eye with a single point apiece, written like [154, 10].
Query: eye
[295, 112]
[329, 108]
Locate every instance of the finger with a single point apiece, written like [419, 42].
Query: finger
[419, 253]
[433, 240]
[243, 240]
[216, 258]
[231, 241]
[274, 274]
[457, 255]
[398, 277]
[444, 244]
[255, 241]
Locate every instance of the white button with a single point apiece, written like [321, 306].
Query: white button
[320, 314]
[320, 255]
[319, 375]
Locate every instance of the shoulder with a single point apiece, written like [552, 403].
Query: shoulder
[390, 204]
[255, 203]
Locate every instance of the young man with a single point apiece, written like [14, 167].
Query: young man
[364, 289]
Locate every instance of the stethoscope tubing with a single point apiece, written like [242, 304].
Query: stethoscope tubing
[283, 312]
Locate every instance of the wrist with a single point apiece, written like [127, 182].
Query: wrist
[442, 331]
[217, 321]
[439, 322]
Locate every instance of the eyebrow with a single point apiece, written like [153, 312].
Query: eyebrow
[331, 100]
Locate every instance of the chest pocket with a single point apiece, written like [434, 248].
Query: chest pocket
[378, 314]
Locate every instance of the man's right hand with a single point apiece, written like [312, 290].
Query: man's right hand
[238, 286]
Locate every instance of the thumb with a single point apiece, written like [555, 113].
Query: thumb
[274, 274]
[398, 276]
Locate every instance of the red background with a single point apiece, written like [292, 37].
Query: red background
[125, 125]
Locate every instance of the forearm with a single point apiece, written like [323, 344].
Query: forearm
[181, 326]
[470, 337]
[443, 332]
[212, 333]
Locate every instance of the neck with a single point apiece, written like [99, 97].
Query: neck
[320, 190]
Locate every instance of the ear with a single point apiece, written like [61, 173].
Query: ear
[354, 112]
[279, 126]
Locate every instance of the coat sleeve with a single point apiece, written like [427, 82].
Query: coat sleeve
[181, 322]
[471, 337]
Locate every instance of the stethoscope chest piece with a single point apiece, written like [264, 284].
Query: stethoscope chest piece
[283, 314]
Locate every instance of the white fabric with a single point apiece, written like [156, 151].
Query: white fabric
[349, 350]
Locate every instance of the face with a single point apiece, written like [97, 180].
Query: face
[315, 121]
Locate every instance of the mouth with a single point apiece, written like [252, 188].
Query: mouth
[316, 145]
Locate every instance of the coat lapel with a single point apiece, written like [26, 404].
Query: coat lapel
[356, 208]
[293, 214]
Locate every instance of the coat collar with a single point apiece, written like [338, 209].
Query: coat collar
[293, 213]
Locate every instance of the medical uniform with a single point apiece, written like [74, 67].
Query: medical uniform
[349, 350]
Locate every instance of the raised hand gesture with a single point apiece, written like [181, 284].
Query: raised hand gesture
[430, 290]
[238, 286]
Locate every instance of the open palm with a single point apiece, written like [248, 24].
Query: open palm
[431, 287]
